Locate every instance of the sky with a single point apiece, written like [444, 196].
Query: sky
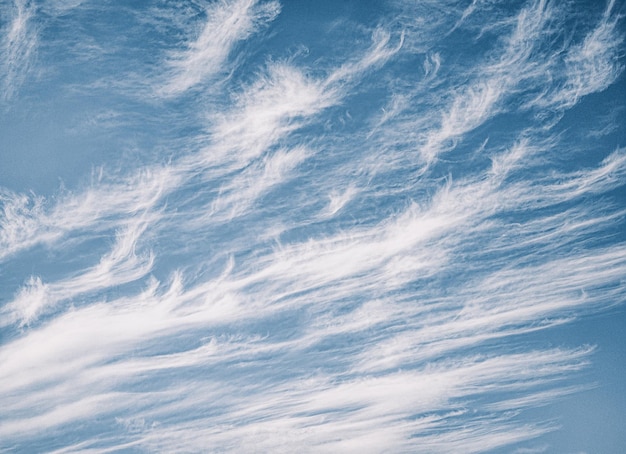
[294, 226]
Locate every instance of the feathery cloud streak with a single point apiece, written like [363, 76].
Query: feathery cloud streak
[228, 22]
[363, 250]
[19, 42]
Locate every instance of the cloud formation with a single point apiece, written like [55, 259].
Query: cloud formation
[354, 248]
[227, 23]
[19, 43]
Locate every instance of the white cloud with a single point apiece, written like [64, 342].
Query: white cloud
[590, 66]
[275, 285]
[19, 43]
[121, 265]
[228, 22]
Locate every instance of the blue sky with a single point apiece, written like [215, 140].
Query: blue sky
[334, 226]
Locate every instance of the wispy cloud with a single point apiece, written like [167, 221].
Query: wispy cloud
[328, 271]
[30, 220]
[19, 43]
[590, 65]
[339, 255]
[227, 23]
[121, 265]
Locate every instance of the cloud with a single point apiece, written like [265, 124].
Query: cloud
[19, 43]
[91, 342]
[494, 82]
[121, 265]
[242, 191]
[30, 220]
[227, 23]
[591, 65]
[336, 255]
